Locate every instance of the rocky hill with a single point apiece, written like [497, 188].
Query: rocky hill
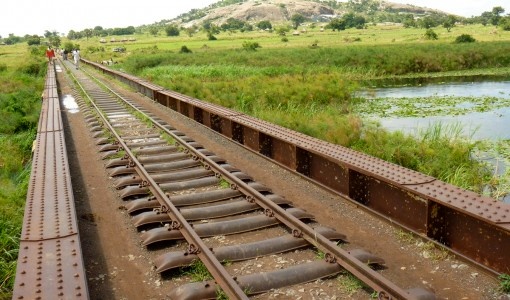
[282, 10]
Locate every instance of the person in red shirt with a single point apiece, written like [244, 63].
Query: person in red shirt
[50, 53]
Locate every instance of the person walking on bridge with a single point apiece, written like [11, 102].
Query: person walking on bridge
[76, 56]
[50, 53]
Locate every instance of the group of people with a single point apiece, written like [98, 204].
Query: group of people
[50, 54]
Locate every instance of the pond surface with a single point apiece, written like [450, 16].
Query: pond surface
[486, 121]
[492, 124]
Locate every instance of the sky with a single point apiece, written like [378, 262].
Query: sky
[22, 17]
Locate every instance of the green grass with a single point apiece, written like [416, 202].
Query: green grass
[504, 283]
[310, 90]
[21, 85]
[349, 283]
[197, 271]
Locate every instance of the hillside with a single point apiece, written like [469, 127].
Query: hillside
[282, 10]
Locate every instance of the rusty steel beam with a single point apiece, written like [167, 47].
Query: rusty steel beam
[474, 227]
[50, 263]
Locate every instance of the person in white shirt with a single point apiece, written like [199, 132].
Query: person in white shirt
[76, 56]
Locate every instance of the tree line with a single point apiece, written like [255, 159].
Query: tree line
[359, 13]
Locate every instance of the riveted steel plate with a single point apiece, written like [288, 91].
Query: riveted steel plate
[50, 118]
[483, 208]
[354, 160]
[49, 210]
[50, 269]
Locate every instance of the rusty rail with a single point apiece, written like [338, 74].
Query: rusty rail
[474, 227]
[336, 255]
[50, 263]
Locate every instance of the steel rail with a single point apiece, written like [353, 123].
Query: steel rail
[222, 277]
[434, 210]
[384, 287]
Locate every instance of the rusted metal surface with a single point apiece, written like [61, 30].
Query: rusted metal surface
[246, 251]
[50, 264]
[178, 228]
[408, 198]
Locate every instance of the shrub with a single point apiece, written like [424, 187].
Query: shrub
[465, 38]
[211, 37]
[185, 49]
[172, 30]
[285, 39]
[430, 34]
[250, 46]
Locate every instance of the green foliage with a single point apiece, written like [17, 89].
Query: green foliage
[153, 30]
[348, 20]
[504, 23]
[449, 23]
[172, 30]
[264, 25]
[250, 46]
[210, 36]
[69, 46]
[464, 38]
[504, 283]
[282, 30]
[349, 283]
[431, 34]
[19, 112]
[34, 40]
[33, 68]
[297, 19]
[185, 49]
[336, 24]
[197, 271]
[236, 24]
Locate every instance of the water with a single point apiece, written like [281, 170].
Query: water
[499, 89]
[492, 125]
[70, 104]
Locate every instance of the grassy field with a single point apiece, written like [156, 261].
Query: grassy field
[305, 83]
[21, 83]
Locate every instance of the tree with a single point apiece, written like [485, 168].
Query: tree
[465, 38]
[191, 30]
[88, 33]
[505, 23]
[33, 40]
[353, 21]
[172, 30]
[250, 46]
[336, 24]
[264, 25]
[55, 41]
[430, 34]
[427, 22]
[282, 30]
[233, 24]
[297, 19]
[449, 23]
[153, 30]
[496, 15]
[409, 21]
[485, 17]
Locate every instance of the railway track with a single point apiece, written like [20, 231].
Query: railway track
[194, 209]
[177, 190]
